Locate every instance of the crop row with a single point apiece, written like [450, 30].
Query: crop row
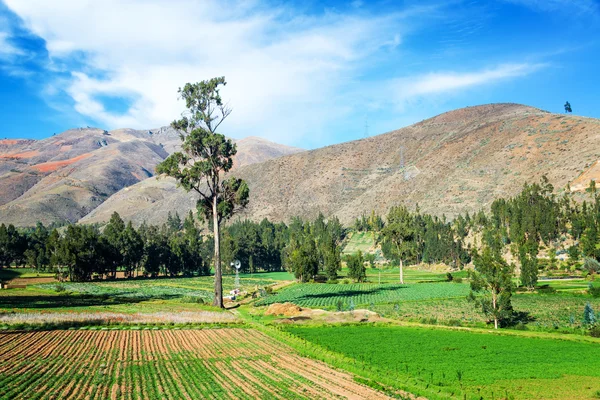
[466, 364]
[158, 288]
[330, 296]
[211, 363]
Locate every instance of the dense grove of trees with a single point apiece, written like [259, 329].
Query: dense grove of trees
[84, 252]
[528, 229]
[314, 248]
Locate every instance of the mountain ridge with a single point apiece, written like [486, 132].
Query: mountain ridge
[64, 177]
[455, 162]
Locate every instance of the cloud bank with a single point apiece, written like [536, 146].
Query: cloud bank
[289, 72]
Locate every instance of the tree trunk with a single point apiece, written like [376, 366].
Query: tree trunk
[218, 301]
[494, 308]
[401, 272]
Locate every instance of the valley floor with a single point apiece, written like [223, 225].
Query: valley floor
[155, 338]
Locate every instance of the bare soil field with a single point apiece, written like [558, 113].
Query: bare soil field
[230, 363]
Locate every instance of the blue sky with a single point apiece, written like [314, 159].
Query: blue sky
[301, 73]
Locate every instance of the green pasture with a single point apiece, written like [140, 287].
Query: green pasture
[562, 312]
[124, 295]
[328, 296]
[363, 241]
[443, 363]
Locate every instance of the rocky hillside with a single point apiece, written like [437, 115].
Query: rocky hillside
[455, 162]
[65, 177]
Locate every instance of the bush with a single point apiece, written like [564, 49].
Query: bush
[593, 290]
[449, 277]
[346, 281]
[332, 281]
[192, 299]
[546, 289]
[591, 265]
[595, 331]
[457, 280]
[60, 288]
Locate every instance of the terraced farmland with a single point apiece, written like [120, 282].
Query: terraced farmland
[229, 363]
[328, 296]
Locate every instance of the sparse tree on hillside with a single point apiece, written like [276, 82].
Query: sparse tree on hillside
[205, 156]
[493, 279]
[568, 107]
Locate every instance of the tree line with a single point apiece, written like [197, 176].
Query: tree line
[85, 252]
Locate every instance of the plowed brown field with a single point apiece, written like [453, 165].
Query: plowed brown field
[176, 364]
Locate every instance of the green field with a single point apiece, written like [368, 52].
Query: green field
[125, 295]
[163, 288]
[443, 363]
[363, 241]
[557, 312]
[411, 275]
[362, 294]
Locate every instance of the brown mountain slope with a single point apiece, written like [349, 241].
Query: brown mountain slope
[152, 199]
[64, 177]
[456, 162]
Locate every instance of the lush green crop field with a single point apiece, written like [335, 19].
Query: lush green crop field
[555, 312]
[411, 275]
[162, 288]
[164, 364]
[122, 296]
[363, 294]
[443, 361]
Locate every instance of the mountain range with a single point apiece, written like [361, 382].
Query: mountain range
[456, 162]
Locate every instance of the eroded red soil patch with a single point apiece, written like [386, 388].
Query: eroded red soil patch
[54, 165]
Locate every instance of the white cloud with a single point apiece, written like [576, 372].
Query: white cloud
[289, 75]
[443, 82]
[282, 70]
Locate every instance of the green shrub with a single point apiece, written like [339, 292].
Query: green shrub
[594, 290]
[192, 299]
[332, 281]
[458, 279]
[546, 289]
[595, 331]
[60, 288]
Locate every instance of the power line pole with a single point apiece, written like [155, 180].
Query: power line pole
[366, 127]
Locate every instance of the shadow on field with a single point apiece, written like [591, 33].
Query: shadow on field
[347, 293]
[7, 274]
[54, 301]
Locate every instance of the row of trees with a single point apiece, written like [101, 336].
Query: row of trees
[83, 252]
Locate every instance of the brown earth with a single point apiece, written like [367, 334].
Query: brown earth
[453, 163]
[65, 177]
[287, 309]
